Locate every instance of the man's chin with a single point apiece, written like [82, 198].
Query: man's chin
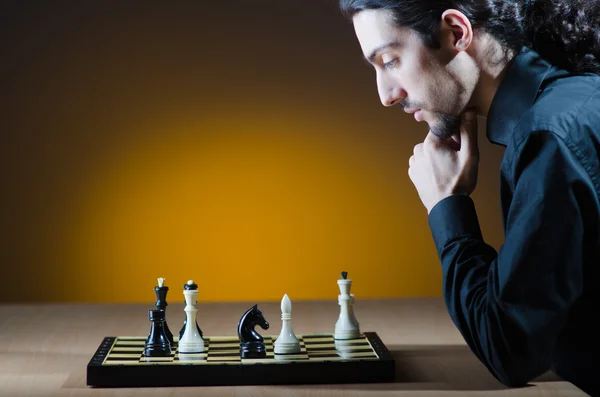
[446, 126]
[440, 132]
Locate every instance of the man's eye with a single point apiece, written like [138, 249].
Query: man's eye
[390, 64]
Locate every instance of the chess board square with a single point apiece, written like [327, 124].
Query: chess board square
[224, 346]
[302, 356]
[130, 342]
[235, 358]
[156, 359]
[354, 348]
[126, 349]
[190, 356]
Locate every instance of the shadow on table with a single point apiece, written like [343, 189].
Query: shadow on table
[447, 367]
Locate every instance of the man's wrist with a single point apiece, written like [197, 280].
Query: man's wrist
[436, 202]
[451, 217]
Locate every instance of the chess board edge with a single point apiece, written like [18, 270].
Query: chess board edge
[266, 372]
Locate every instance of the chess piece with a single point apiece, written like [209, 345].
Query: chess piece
[161, 303]
[346, 327]
[286, 342]
[251, 342]
[191, 341]
[185, 325]
[157, 344]
[188, 285]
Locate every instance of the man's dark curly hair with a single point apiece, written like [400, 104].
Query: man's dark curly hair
[564, 32]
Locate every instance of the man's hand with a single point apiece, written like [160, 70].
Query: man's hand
[441, 168]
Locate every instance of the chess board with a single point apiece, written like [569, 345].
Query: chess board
[120, 362]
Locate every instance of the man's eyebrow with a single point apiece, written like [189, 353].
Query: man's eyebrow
[391, 44]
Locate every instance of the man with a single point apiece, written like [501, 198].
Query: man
[529, 307]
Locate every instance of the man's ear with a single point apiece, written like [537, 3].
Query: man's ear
[456, 30]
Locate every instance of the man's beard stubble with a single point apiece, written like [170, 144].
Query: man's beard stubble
[448, 125]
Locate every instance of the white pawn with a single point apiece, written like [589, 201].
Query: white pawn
[346, 327]
[191, 341]
[286, 342]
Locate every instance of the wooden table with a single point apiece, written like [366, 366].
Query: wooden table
[45, 348]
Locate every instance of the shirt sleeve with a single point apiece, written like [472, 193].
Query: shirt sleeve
[510, 304]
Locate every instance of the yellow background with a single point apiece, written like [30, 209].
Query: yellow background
[242, 146]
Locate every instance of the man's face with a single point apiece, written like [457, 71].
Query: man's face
[412, 75]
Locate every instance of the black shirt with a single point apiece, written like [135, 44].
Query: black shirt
[531, 305]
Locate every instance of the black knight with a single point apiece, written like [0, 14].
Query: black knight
[251, 342]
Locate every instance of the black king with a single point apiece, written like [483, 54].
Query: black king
[161, 303]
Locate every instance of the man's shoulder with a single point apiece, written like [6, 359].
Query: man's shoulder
[570, 96]
[568, 106]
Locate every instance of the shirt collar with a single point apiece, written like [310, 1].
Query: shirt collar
[516, 94]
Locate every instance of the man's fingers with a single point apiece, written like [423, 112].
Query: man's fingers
[418, 148]
[468, 134]
[433, 141]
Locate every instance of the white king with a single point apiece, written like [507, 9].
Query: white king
[286, 342]
[346, 326]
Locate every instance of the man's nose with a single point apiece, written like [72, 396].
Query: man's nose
[390, 93]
